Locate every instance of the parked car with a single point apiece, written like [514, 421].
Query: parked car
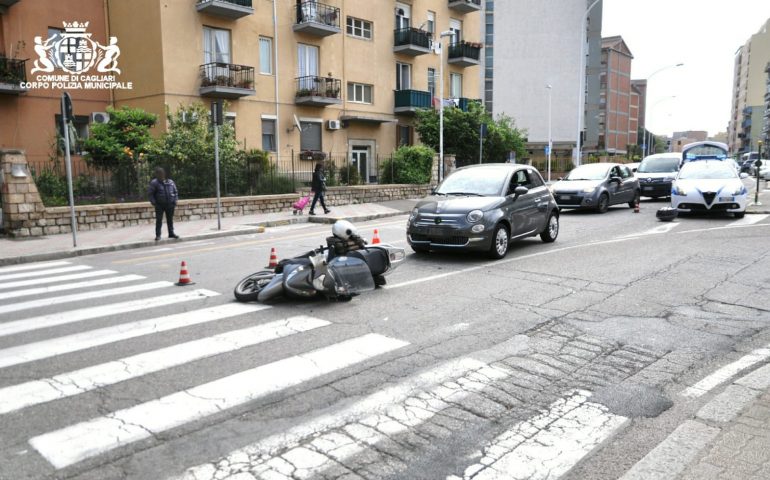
[597, 186]
[484, 208]
[657, 172]
[709, 186]
[746, 166]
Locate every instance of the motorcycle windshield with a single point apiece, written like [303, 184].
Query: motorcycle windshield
[351, 276]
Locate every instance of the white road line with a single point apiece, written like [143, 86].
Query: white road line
[78, 442]
[154, 250]
[726, 372]
[33, 266]
[549, 445]
[660, 229]
[68, 384]
[69, 286]
[94, 338]
[72, 316]
[748, 220]
[40, 273]
[44, 302]
[60, 278]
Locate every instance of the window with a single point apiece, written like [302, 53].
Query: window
[310, 137]
[535, 179]
[268, 135]
[80, 124]
[307, 60]
[216, 45]
[404, 135]
[359, 28]
[455, 85]
[403, 14]
[432, 82]
[266, 55]
[403, 76]
[430, 26]
[359, 93]
[456, 27]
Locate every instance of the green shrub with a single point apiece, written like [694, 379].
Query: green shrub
[349, 175]
[52, 188]
[408, 165]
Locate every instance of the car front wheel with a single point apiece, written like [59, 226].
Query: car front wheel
[637, 197]
[739, 214]
[500, 241]
[604, 203]
[551, 230]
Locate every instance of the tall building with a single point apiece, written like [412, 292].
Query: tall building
[749, 89]
[766, 129]
[343, 77]
[640, 87]
[620, 102]
[536, 44]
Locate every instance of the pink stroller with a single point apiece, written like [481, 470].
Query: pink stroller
[299, 205]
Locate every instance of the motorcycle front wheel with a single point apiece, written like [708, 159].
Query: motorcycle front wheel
[248, 289]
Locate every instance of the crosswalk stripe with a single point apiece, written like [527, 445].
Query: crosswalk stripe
[748, 220]
[726, 372]
[44, 302]
[69, 286]
[103, 336]
[78, 442]
[89, 313]
[32, 266]
[40, 273]
[549, 445]
[59, 278]
[64, 385]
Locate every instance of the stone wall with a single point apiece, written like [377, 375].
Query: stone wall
[22, 208]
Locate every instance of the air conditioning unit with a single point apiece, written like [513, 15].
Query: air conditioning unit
[100, 117]
[333, 125]
[189, 117]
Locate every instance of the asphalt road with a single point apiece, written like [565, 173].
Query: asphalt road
[563, 360]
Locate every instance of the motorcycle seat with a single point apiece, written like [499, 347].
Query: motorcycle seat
[375, 258]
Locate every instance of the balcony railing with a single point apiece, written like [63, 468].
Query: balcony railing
[464, 54]
[465, 6]
[13, 71]
[407, 101]
[411, 41]
[226, 80]
[226, 8]
[317, 19]
[318, 91]
[464, 103]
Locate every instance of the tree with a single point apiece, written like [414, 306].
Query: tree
[409, 165]
[461, 134]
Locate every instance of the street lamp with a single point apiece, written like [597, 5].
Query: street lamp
[582, 80]
[446, 33]
[550, 140]
[758, 164]
[647, 145]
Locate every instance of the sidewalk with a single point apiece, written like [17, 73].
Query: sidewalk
[764, 199]
[52, 247]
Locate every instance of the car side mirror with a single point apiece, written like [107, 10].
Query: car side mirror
[519, 191]
[616, 179]
[744, 175]
[560, 179]
[433, 190]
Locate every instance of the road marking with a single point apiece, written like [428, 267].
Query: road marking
[72, 316]
[548, 445]
[154, 250]
[60, 278]
[80, 381]
[748, 220]
[78, 442]
[44, 302]
[70, 286]
[672, 455]
[726, 372]
[33, 266]
[94, 338]
[39, 273]
[728, 404]
[660, 229]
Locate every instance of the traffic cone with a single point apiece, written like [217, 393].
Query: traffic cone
[376, 237]
[273, 259]
[636, 207]
[184, 276]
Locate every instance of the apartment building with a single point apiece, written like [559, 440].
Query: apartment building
[341, 77]
[766, 129]
[620, 101]
[749, 88]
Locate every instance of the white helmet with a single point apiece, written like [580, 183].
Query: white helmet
[344, 229]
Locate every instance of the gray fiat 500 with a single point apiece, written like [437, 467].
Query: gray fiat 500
[484, 208]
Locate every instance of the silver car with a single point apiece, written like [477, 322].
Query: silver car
[597, 186]
[484, 208]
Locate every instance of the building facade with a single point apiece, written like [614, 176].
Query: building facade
[342, 77]
[766, 129]
[620, 102]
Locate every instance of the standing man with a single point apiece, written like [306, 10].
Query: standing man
[163, 196]
[318, 186]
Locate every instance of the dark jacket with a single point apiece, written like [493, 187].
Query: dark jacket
[319, 181]
[162, 193]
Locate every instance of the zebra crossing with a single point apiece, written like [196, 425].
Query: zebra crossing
[376, 435]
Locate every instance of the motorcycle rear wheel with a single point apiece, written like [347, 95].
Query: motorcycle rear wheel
[248, 289]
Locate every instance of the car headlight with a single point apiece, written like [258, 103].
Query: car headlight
[475, 215]
[414, 213]
[589, 189]
[669, 179]
[677, 190]
[739, 190]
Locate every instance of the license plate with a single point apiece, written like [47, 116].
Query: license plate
[436, 232]
[647, 189]
[565, 197]
[726, 199]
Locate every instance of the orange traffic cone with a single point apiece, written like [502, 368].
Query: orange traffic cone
[273, 259]
[184, 276]
[636, 207]
[376, 237]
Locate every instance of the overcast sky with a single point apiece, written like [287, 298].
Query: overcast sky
[702, 34]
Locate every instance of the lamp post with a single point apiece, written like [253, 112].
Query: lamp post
[676, 65]
[550, 140]
[759, 166]
[446, 33]
[582, 80]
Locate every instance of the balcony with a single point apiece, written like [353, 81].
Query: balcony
[411, 41]
[317, 19]
[464, 54]
[5, 4]
[465, 6]
[464, 103]
[225, 80]
[12, 72]
[232, 9]
[318, 91]
[408, 101]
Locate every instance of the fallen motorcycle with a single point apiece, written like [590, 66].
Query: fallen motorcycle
[345, 267]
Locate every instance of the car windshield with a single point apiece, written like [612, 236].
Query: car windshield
[659, 165]
[707, 171]
[474, 181]
[705, 152]
[594, 171]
